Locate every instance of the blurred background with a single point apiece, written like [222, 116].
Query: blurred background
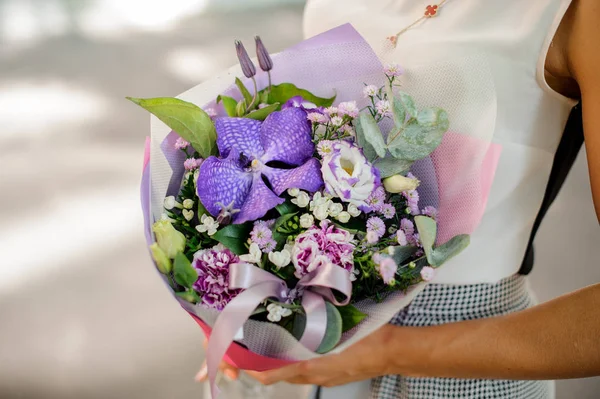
[82, 313]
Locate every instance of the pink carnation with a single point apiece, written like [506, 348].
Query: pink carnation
[212, 266]
[318, 244]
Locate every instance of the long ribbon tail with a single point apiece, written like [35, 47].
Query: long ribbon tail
[316, 320]
[231, 319]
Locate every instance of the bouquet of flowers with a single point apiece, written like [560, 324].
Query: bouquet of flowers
[286, 212]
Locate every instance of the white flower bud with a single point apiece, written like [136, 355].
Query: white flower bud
[293, 191]
[399, 183]
[187, 214]
[335, 209]
[302, 200]
[188, 203]
[321, 212]
[353, 210]
[343, 217]
[171, 203]
[307, 220]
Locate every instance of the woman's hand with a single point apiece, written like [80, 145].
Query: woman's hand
[228, 371]
[364, 360]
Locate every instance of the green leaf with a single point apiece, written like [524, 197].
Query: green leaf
[450, 249]
[240, 108]
[427, 228]
[184, 273]
[416, 141]
[433, 118]
[350, 317]
[391, 166]
[229, 104]
[201, 210]
[190, 296]
[283, 92]
[286, 207]
[262, 113]
[407, 103]
[372, 133]
[401, 254]
[333, 332]
[367, 148]
[234, 237]
[188, 120]
[245, 93]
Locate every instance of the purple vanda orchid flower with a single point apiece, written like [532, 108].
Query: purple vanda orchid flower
[300, 102]
[247, 145]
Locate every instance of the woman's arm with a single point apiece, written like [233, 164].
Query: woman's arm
[555, 340]
[583, 58]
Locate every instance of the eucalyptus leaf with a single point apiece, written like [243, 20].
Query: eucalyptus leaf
[190, 296]
[427, 228]
[283, 92]
[367, 148]
[185, 275]
[391, 166]
[415, 141]
[407, 103]
[229, 104]
[350, 317]
[333, 332]
[453, 247]
[433, 118]
[398, 112]
[403, 253]
[262, 113]
[188, 120]
[245, 92]
[234, 237]
[372, 133]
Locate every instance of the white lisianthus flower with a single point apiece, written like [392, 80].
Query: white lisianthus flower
[281, 258]
[335, 209]
[168, 238]
[307, 221]
[188, 203]
[254, 255]
[302, 199]
[276, 312]
[348, 174]
[208, 226]
[353, 210]
[293, 192]
[343, 217]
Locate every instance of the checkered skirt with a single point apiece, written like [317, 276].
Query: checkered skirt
[439, 304]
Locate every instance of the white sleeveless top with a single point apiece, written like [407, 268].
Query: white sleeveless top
[513, 37]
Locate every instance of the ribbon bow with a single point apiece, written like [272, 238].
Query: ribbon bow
[259, 285]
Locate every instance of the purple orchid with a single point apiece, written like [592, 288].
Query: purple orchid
[300, 102]
[247, 146]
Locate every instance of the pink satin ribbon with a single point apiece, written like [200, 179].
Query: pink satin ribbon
[259, 285]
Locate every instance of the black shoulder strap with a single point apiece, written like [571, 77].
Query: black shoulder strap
[567, 151]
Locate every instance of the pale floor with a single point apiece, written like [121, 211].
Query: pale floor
[82, 315]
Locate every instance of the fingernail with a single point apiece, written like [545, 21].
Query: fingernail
[230, 374]
[201, 376]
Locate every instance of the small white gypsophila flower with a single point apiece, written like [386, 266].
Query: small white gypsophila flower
[254, 255]
[208, 226]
